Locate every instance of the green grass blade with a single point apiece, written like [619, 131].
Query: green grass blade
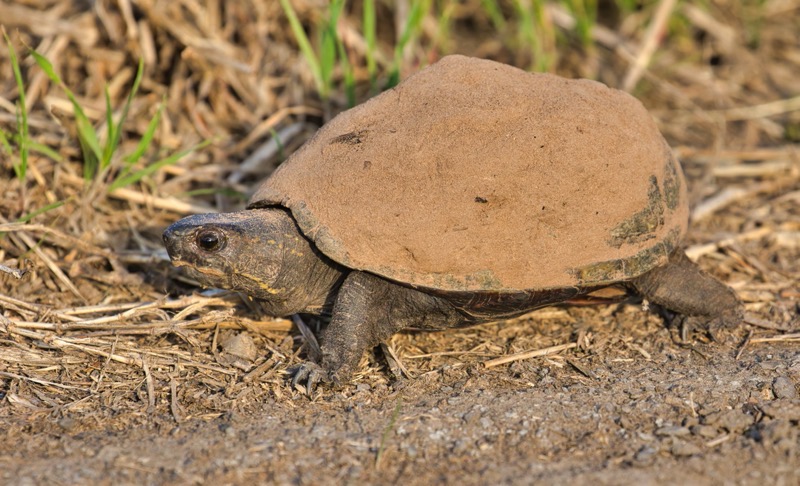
[349, 76]
[445, 21]
[138, 175]
[224, 191]
[369, 35]
[20, 168]
[33, 214]
[5, 141]
[92, 154]
[111, 131]
[45, 150]
[328, 47]
[305, 46]
[90, 160]
[413, 22]
[585, 13]
[87, 136]
[410, 30]
[279, 143]
[113, 140]
[626, 6]
[147, 138]
[492, 8]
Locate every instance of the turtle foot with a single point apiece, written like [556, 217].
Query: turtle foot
[310, 373]
[718, 327]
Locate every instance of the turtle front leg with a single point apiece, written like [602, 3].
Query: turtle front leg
[682, 287]
[367, 311]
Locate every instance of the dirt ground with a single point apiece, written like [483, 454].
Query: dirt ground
[117, 368]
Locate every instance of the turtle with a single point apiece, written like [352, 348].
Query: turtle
[471, 192]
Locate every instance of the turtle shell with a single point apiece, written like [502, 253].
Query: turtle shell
[477, 176]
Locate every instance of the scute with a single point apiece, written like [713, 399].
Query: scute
[477, 176]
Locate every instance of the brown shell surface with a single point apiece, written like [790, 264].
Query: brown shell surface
[477, 176]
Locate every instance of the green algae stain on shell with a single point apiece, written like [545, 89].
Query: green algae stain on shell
[672, 182]
[643, 225]
[352, 138]
[621, 269]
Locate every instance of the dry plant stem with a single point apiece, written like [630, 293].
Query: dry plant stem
[724, 34]
[15, 272]
[314, 351]
[653, 36]
[156, 327]
[764, 110]
[174, 407]
[763, 169]
[56, 237]
[719, 440]
[448, 353]
[602, 35]
[47, 24]
[765, 324]
[41, 382]
[168, 203]
[151, 391]
[23, 307]
[793, 337]
[254, 161]
[266, 126]
[259, 370]
[91, 346]
[744, 345]
[729, 195]
[70, 343]
[790, 152]
[137, 197]
[528, 354]
[120, 322]
[694, 252]
[60, 275]
[392, 358]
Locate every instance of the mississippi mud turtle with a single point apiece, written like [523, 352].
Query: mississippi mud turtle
[471, 192]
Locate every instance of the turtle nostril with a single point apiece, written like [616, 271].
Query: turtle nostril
[210, 240]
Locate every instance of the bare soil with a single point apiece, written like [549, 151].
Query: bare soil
[116, 368]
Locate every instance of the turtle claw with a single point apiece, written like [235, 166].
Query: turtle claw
[312, 374]
[714, 326]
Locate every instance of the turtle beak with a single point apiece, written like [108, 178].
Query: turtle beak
[174, 238]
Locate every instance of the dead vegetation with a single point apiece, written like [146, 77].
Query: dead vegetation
[95, 323]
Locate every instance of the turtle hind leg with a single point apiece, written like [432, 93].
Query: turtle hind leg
[681, 286]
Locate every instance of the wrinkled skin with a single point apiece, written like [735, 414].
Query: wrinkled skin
[262, 252]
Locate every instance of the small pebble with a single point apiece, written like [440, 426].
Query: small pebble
[783, 387]
[782, 409]
[645, 455]
[691, 421]
[705, 431]
[241, 345]
[683, 449]
[731, 420]
[67, 423]
[673, 430]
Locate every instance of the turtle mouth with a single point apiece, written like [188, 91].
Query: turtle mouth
[174, 241]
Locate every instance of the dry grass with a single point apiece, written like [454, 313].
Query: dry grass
[100, 321]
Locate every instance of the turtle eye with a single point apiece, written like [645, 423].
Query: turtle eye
[210, 240]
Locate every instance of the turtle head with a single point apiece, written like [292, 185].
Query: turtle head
[260, 252]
